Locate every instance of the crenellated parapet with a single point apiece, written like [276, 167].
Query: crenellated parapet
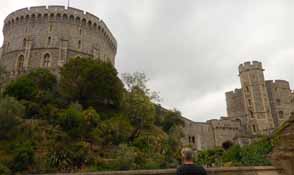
[61, 14]
[247, 66]
[236, 92]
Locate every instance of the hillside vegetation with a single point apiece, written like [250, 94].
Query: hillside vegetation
[86, 121]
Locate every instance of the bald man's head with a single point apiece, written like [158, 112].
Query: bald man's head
[187, 154]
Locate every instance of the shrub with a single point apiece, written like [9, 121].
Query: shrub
[23, 156]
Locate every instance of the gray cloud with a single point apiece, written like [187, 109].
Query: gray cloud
[191, 49]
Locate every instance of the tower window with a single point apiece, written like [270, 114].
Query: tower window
[80, 31]
[46, 60]
[254, 128]
[281, 114]
[24, 43]
[278, 101]
[49, 40]
[249, 102]
[20, 63]
[247, 89]
[251, 114]
[193, 139]
[79, 44]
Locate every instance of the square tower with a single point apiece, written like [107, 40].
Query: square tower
[256, 100]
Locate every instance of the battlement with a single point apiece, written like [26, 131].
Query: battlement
[279, 83]
[225, 123]
[233, 93]
[247, 66]
[60, 14]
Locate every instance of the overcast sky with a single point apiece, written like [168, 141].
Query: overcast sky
[190, 49]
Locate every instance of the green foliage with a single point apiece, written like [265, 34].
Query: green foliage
[23, 156]
[71, 120]
[116, 130]
[37, 86]
[22, 88]
[249, 155]
[73, 156]
[210, 157]
[91, 83]
[85, 121]
[11, 112]
[4, 170]
[44, 79]
[127, 157]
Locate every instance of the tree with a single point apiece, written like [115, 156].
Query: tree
[91, 83]
[71, 120]
[22, 88]
[116, 130]
[140, 111]
[38, 85]
[11, 112]
[138, 80]
[44, 79]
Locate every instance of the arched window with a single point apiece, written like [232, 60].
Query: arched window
[49, 40]
[281, 114]
[24, 43]
[46, 60]
[251, 114]
[20, 63]
[254, 128]
[193, 139]
[79, 44]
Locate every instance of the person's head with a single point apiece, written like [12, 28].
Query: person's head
[187, 155]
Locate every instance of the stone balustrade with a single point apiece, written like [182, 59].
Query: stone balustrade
[260, 170]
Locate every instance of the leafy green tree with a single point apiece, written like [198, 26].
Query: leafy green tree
[71, 120]
[171, 119]
[44, 79]
[37, 86]
[140, 111]
[21, 88]
[91, 83]
[138, 80]
[11, 112]
[116, 130]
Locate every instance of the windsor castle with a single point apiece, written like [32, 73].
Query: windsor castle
[47, 36]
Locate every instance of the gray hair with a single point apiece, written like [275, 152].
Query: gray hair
[187, 154]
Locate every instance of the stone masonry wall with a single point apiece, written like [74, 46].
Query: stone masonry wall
[235, 104]
[256, 100]
[210, 134]
[198, 135]
[280, 100]
[33, 34]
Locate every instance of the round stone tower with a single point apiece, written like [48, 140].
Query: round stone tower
[47, 36]
[256, 100]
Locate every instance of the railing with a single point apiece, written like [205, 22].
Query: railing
[259, 170]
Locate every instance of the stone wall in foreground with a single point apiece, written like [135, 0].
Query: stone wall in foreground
[262, 170]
